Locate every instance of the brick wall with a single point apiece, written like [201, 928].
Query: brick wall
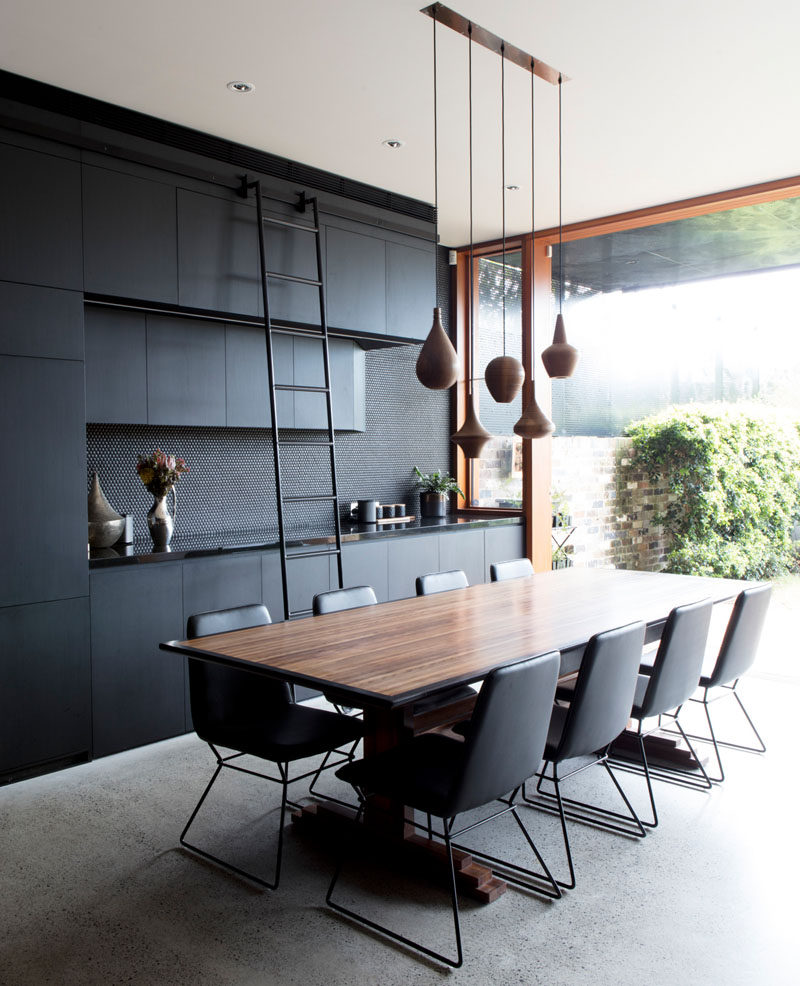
[611, 506]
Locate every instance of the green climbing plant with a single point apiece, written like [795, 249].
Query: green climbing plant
[733, 473]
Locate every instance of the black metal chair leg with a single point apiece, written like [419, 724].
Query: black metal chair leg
[643, 754]
[329, 797]
[635, 818]
[395, 936]
[556, 895]
[762, 747]
[693, 752]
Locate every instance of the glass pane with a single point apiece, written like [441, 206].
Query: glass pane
[497, 476]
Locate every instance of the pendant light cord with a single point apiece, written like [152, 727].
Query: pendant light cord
[560, 221]
[503, 169]
[435, 142]
[533, 221]
[471, 243]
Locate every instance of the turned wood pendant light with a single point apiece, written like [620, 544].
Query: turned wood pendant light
[471, 436]
[504, 374]
[533, 423]
[560, 358]
[437, 363]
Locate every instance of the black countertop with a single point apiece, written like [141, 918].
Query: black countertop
[201, 546]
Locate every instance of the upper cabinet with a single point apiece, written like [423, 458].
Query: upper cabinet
[218, 266]
[130, 245]
[40, 218]
[410, 289]
[378, 281]
[185, 371]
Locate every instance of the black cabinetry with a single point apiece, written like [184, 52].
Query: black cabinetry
[43, 520]
[40, 206]
[410, 289]
[38, 321]
[130, 244]
[45, 711]
[116, 366]
[137, 690]
[356, 280]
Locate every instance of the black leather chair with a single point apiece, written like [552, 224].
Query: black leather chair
[442, 776]
[672, 681]
[517, 568]
[598, 712]
[337, 600]
[429, 585]
[736, 655]
[435, 582]
[254, 715]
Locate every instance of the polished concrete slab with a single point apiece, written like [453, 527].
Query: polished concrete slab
[96, 891]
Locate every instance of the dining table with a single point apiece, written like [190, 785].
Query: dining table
[388, 658]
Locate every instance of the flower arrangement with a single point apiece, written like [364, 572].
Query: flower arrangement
[159, 472]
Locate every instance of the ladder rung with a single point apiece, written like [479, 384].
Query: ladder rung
[308, 498]
[297, 613]
[294, 279]
[302, 389]
[312, 554]
[297, 441]
[290, 225]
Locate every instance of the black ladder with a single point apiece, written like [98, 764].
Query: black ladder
[279, 443]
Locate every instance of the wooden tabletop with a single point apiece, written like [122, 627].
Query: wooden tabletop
[395, 653]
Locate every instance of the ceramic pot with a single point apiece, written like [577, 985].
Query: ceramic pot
[161, 522]
[433, 504]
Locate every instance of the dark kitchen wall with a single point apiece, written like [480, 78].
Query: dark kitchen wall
[231, 484]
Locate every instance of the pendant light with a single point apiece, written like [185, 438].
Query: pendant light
[533, 423]
[504, 374]
[437, 363]
[471, 436]
[560, 358]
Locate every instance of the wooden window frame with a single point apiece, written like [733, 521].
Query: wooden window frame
[537, 272]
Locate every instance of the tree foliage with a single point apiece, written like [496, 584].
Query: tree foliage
[734, 477]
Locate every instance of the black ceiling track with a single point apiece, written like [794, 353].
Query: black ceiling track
[102, 114]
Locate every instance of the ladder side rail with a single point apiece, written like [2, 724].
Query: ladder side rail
[256, 185]
[329, 394]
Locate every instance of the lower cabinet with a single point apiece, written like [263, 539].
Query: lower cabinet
[409, 558]
[366, 563]
[502, 544]
[464, 550]
[45, 714]
[138, 691]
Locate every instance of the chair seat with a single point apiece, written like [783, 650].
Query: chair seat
[289, 733]
[422, 774]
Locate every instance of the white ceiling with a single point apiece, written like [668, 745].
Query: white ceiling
[665, 101]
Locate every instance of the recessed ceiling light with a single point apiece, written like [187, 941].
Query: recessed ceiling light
[394, 143]
[241, 86]
[512, 188]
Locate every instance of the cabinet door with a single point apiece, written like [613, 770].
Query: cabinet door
[271, 585]
[503, 544]
[464, 550]
[410, 290]
[356, 281]
[185, 371]
[310, 410]
[348, 385]
[410, 557]
[218, 266]
[294, 252]
[43, 519]
[220, 583]
[247, 380]
[40, 219]
[366, 563]
[137, 689]
[44, 683]
[130, 245]
[36, 321]
[116, 366]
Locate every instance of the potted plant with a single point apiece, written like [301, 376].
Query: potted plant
[561, 515]
[434, 490]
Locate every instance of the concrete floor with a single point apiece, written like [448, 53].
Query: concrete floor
[94, 890]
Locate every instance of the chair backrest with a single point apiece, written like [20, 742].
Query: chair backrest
[507, 731]
[740, 644]
[339, 599]
[679, 659]
[601, 703]
[222, 697]
[427, 585]
[517, 568]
